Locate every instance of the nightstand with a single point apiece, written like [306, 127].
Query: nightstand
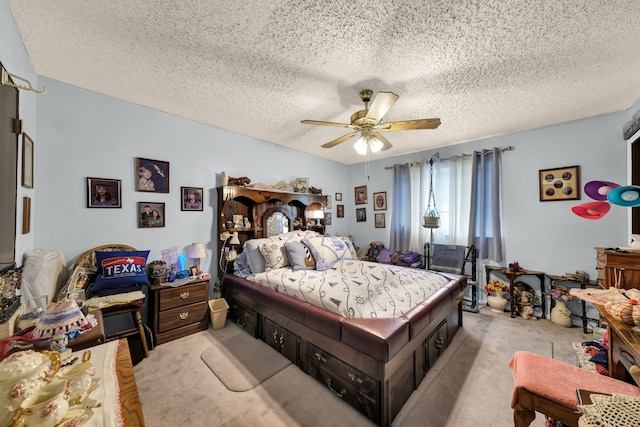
[179, 311]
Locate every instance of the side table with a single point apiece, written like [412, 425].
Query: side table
[512, 276]
[179, 311]
[583, 285]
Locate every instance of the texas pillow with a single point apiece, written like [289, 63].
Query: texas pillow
[120, 271]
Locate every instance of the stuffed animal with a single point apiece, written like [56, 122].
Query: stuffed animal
[526, 305]
[314, 190]
[243, 181]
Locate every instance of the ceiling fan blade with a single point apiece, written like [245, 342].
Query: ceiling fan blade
[339, 140]
[385, 142]
[316, 122]
[383, 102]
[411, 124]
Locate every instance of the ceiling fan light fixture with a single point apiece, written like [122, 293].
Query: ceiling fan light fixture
[361, 146]
[376, 144]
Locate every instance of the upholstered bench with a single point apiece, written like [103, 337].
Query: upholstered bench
[550, 387]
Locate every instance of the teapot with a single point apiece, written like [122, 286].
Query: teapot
[21, 375]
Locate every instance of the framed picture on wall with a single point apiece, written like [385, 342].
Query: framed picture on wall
[340, 211]
[151, 215]
[360, 195]
[380, 201]
[559, 184]
[152, 175]
[191, 198]
[361, 214]
[27, 161]
[327, 218]
[338, 197]
[104, 193]
[379, 220]
[326, 201]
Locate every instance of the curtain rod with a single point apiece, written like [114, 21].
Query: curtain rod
[459, 156]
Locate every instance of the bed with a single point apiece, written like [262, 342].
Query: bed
[338, 321]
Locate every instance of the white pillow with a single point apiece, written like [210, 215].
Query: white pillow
[255, 258]
[327, 251]
[275, 255]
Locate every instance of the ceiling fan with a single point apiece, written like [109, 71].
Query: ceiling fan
[368, 123]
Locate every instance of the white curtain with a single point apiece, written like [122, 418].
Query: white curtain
[452, 183]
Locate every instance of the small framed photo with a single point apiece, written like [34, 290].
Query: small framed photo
[26, 215]
[361, 214]
[27, 161]
[191, 198]
[238, 221]
[327, 218]
[338, 197]
[151, 215]
[152, 175]
[326, 201]
[380, 201]
[340, 211]
[360, 195]
[194, 271]
[104, 193]
[379, 220]
[560, 184]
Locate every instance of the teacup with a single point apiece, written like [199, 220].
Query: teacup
[80, 378]
[45, 408]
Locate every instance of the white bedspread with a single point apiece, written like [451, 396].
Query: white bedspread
[356, 289]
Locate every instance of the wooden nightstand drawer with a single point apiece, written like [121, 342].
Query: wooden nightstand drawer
[183, 295]
[182, 316]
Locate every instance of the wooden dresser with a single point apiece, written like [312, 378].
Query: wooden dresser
[179, 311]
[617, 269]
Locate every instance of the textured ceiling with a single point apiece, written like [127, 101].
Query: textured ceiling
[259, 67]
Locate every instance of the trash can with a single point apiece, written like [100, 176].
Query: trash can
[218, 309]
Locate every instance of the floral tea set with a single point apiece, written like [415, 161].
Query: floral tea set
[36, 391]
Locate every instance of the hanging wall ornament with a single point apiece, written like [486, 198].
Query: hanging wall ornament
[598, 190]
[628, 196]
[592, 210]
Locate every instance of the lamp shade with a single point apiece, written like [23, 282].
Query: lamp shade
[628, 196]
[234, 239]
[598, 190]
[317, 214]
[591, 210]
[197, 250]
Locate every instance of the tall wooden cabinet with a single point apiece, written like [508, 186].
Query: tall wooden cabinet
[617, 269]
[258, 206]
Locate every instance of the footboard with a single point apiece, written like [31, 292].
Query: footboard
[372, 364]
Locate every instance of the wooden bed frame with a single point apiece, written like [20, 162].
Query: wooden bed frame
[372, 364]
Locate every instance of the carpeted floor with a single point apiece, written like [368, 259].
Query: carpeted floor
[470, 385]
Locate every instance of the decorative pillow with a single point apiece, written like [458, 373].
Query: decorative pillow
[120, 270]
[300, 256]
[274, 255]
[255, 257]
[327, 251]
[349, 243]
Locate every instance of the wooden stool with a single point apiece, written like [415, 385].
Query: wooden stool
[550, 387]
[138, 328]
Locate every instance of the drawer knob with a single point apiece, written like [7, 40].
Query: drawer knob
[354, 378]
[320, 358]
[184, 295]
[183, 316]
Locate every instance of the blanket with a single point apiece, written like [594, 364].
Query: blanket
[356, 289]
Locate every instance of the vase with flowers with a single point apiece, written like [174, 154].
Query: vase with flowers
[560, 314]
[495, 295]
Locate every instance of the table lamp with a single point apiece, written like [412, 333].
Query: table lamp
[197, 250]
[233, 241]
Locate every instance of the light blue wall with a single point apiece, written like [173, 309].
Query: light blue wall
[81, 134]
